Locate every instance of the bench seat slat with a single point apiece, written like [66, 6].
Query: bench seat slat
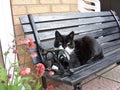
[111, 49]
[108, 38]
[107, 61]
[110, 44]
[79, 76]
[51, 17]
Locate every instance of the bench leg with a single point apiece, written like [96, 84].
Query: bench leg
[44, 84]
[78, 86]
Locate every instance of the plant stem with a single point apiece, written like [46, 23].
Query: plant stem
[7, 84]
[13, 68]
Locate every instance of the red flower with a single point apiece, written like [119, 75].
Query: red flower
[25, 71]
[50, 87]
[40, 69]
[29, 42]
[34, 54]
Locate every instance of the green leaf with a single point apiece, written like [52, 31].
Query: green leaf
[16, 69]
[6, 53]
[27, 86]
[2, 87]
[38, 86]
[13, 87]
[1, 66]
[16, 80]
[3, 73]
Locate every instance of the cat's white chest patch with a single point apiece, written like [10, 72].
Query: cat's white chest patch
[69, 50]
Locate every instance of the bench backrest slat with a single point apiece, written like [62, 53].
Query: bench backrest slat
[77, 30]
[53, 17]
[101, 25]
[67, 23]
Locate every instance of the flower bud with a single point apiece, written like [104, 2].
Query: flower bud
[9, 75]
[51, 73]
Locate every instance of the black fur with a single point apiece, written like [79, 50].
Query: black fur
[85, 49]
[88, 49]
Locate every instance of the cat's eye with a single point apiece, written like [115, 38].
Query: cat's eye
[60, 43]
[68, 43]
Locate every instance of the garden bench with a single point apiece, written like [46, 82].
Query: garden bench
[104, 26]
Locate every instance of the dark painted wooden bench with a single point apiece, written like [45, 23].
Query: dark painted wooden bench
[104, 26]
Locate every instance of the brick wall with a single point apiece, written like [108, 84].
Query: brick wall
[23, 7]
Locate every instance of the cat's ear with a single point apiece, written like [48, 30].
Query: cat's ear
[57, 34]
[71, 35]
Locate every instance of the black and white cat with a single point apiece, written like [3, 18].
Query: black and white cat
[82, 50]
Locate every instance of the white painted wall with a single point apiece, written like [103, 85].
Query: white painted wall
[6, 26]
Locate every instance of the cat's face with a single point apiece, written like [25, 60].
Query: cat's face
[65, 42]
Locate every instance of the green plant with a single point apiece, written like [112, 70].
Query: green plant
[21, 78]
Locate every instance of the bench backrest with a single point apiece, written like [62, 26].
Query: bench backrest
[104, 26]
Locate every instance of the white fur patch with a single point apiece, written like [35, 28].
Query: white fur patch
[69, 50]
[60, 47]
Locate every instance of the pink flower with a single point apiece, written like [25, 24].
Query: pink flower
[29, 42]
[9, 75]
[34, 54]
[50, 87]
[25, 71]
[51, 73]
[40, 69]
[25, 41]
